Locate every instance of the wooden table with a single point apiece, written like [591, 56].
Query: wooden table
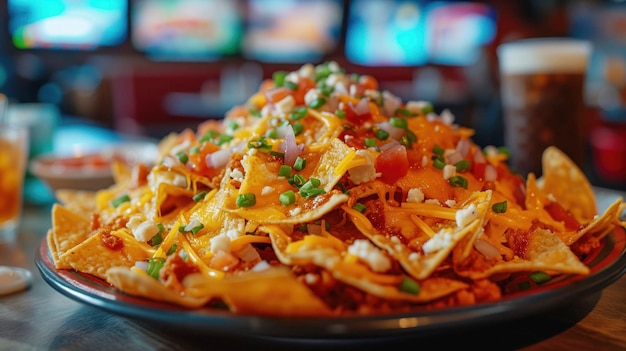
[40, 318]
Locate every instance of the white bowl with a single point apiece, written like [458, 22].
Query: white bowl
[90, 171]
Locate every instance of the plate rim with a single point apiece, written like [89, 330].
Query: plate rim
[109, 299]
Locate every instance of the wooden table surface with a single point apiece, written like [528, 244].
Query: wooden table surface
[40, 318]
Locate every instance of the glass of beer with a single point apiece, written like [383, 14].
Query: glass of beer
[13, 159]
[542, 88]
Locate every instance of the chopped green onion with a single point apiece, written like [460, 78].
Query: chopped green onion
[341, 114]
[199, 196]
[194, 150]
[297, 180]
[438, 163]
[224, 138]
[246, 200]
[499, 207]
[299, 164]
[232, 125]
[359, 207]
[279, 78]
[326, 90]
[260, 144]
[399, 122]
[355, 77]
[277, 154]
[343, 188]
[317, 103]
[298, 127]
[154, 266]
[284, 171]
[370, 142]
[287, 198]
[158, 237]
[120, 200]
[427, 108]
[271, 133]
[438, 150]
[197, 228]
[298, 113]
[462, 165]
[404, 112]
[458, 182]
[409, 286]
[312, 192]
[381, 134]
[171, 250]
[291, 85]
[540, 277]
[182, 157]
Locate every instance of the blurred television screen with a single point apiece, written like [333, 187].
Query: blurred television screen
[386, 33]
[292, 30]
[456, 32]
[414, 33]
[67, 24]
[186, 30]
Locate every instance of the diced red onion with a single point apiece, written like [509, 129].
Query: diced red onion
[463, 147]
[479, 157]
[485, 248]
[362, 107]
[453, 156]
[390, 145]
[491, 173]
[218, 159]
[289, 148]
[249, 254]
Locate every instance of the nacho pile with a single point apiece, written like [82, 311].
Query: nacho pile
[326, 196]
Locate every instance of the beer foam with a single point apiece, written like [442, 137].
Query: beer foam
[544, 55]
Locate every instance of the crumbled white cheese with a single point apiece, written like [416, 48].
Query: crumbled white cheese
[267, 190]
[394, 239]
[293, 77]
[414, 195]
[466, 215]
[450, 203]
[143, 231]
[169, 177]
[416, 106]
[442, 239]
[307, 70]
[295, 211]
[311, 96]
[447, 117]
[432, 202]
[233, 234]
[220, 242]
[364, 173]
[285, 105]
[370, 254]
[261, 266]
[237, 175]
[449, 171]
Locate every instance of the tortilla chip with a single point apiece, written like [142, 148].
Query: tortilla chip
[419, 265]
[277, 292]
[68, 228]
[92, 257]
[141, 284]
[52, 246]
[599, 226]
[543, 251]
[564, 180]
[79, 201]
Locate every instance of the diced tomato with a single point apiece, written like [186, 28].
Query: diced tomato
[356, 114]
[478, 169]
[557, 212]
[304, 85]
[393, 164]
[368, 82]
[197, 161]
[414, 157]
[274, 95]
